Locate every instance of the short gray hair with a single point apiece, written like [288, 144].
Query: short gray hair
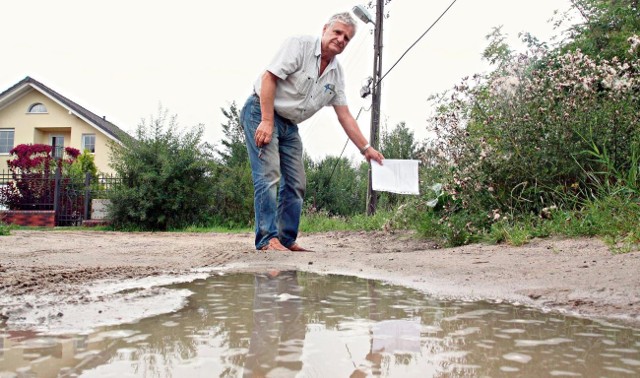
[345, 18]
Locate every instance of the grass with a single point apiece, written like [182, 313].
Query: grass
[5, 229]
[309, 223]
[220, 229]
[323, 222]
[614, 217]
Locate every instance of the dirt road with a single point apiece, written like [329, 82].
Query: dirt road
[579, 276]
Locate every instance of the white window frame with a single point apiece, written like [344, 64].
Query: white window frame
[84, 143]
[53, 150]
[37, 108]
[13, 132]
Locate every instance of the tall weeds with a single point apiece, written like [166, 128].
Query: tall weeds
[512, 156]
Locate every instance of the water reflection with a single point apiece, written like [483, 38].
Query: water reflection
[278, 326]
[294, 324]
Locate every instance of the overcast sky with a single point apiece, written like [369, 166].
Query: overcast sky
[124, 58]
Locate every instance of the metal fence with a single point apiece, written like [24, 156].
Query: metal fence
[70, 197]
[27, 191]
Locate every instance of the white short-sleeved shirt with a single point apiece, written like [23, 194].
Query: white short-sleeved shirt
[300, 93]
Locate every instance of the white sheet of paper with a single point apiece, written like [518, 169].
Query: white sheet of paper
[395, 176]
[396, 335]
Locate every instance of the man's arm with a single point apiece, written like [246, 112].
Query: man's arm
[350, 126]
[267, 94]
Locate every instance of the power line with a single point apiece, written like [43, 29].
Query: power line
[416, 42]
[392, 67]
[389, 70]
[343, 148]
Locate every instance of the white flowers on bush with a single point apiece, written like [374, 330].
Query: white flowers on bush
[634, 42]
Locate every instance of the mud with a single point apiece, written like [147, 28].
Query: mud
[42, 272]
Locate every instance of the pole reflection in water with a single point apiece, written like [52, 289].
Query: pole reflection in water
[278, 332]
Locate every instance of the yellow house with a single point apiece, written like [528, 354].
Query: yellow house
[32, 113]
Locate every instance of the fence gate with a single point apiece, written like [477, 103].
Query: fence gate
[69, 200]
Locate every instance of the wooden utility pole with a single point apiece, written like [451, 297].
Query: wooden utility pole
[372, 196]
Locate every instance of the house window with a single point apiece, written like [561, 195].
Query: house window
[89, 142]
[57, 144]
[37, 108]
[6, 140]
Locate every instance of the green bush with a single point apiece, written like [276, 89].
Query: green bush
[166, 177]
[546, 129]
[606, 28]
[334, 186]
[5, 229]
[232, 194]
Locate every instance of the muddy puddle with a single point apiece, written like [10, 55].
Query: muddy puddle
[294, 324]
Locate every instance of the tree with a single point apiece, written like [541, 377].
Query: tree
[398, 143]
[335, 186]
[607, 26]
[235, 150]
[232, 195]
[166, 177]
[83, 165]
[498, 51]
[233, 191]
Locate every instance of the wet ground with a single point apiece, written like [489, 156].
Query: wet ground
[53, 269]
[300, 324]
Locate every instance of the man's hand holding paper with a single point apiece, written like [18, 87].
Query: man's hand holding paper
[395, 176]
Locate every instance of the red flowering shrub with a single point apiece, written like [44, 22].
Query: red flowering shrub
[33, 171]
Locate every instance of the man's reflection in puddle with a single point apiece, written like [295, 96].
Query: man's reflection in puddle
[278, 326]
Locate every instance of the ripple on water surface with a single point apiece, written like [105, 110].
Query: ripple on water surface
[294, 324]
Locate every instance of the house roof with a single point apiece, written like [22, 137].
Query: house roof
[28, 83]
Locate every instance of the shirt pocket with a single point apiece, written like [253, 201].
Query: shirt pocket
[303, 83]
[324, 95]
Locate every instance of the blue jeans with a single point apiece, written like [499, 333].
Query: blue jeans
[279, 179]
